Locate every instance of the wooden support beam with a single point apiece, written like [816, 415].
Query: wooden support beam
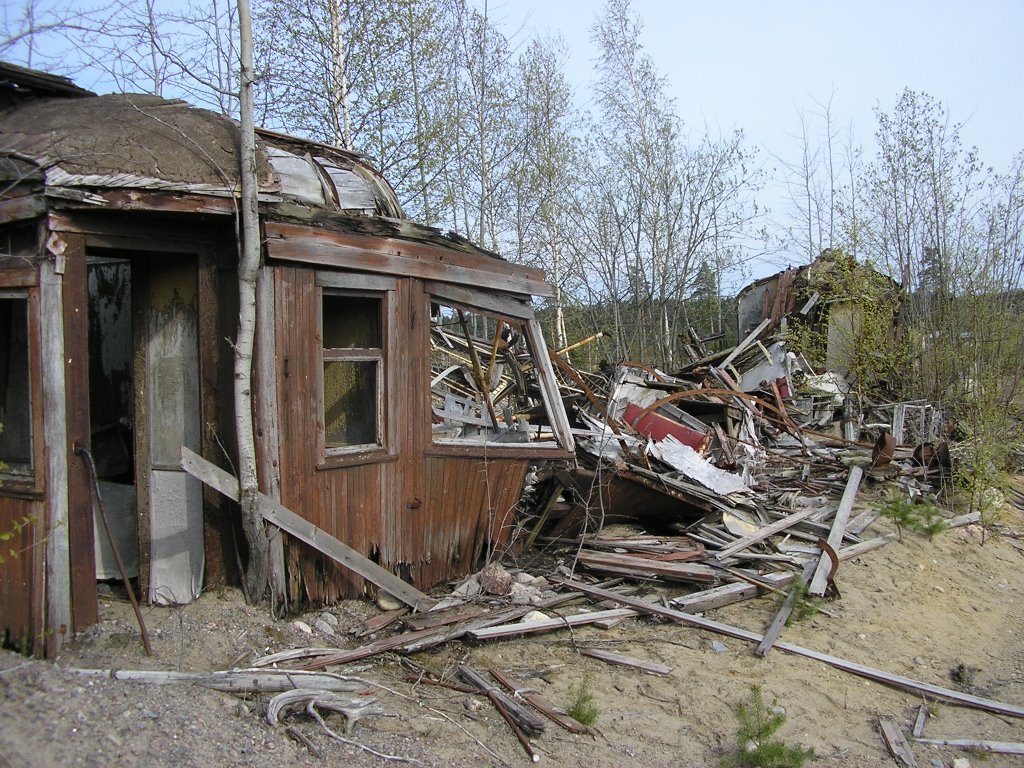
[305, 531]
[55, 436]
[819, 582]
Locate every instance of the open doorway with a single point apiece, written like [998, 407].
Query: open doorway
[144, 405]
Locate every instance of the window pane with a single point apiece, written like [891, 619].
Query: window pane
[350, 403]
[351, 322]
[15, 410]
[484, 385]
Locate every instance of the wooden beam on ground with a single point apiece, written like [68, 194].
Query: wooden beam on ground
[643, 567]
[878, 675]
[234, 680]
[897, 743]
[775, 628]
[769, 530]
[305, 531]
[549, 625]
[819, 582]
[538, 702]
[995, 747]
[626, 661]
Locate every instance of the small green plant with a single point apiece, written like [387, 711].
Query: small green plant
[919, 516]
[582, 708]
[6, 550]
[757, 748]
[806, 604]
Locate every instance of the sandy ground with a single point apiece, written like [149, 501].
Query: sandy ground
[916, 607]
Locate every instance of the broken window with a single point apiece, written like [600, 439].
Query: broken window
[488, 384]
[353, 375]
[15, 404]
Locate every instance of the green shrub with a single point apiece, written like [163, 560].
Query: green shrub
[757, 748]
[582, 708]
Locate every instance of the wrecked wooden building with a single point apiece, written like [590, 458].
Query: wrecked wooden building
[402, 386]
[828, 297]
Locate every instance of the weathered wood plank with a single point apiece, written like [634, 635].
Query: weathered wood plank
[548, 625]
[769, 530]
[268, 454]
[897, 743]
[234, 680]
[775, 628]
[819, 582]
[58, 545]
[84, 607]
[626, 661]
[400, 257]
[995, 747]
[641, 566]
[922, 718]
[305, 531]
[538, 702]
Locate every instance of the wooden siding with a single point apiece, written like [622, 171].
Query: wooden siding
[392, 256]
[345, 501]
[21, 574]
[470, 503]
[427, 518]
[84, 610]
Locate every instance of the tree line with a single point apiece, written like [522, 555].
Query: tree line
[635, 216]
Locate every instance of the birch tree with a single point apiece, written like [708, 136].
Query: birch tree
[257, 569]
[543, 167]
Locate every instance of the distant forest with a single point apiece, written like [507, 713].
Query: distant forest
[634, 216]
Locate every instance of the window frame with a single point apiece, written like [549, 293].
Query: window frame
[358, 286]
[514, 308]
[23, 288]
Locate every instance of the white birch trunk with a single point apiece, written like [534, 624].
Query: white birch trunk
[248, 267]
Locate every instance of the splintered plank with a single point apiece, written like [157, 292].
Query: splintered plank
[897, 742]
[305, 531]
[538, 702]
[644, 566]
[626, 661]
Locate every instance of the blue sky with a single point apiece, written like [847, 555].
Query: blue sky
[758, 65]
[755, 65]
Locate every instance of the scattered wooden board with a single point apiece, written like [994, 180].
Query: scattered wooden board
[626, 661]
[897, 743]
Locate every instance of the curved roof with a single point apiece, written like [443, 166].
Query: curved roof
[145, 142]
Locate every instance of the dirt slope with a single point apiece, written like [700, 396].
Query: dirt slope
[915, 608]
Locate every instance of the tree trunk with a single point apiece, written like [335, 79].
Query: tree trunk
[248, 267]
